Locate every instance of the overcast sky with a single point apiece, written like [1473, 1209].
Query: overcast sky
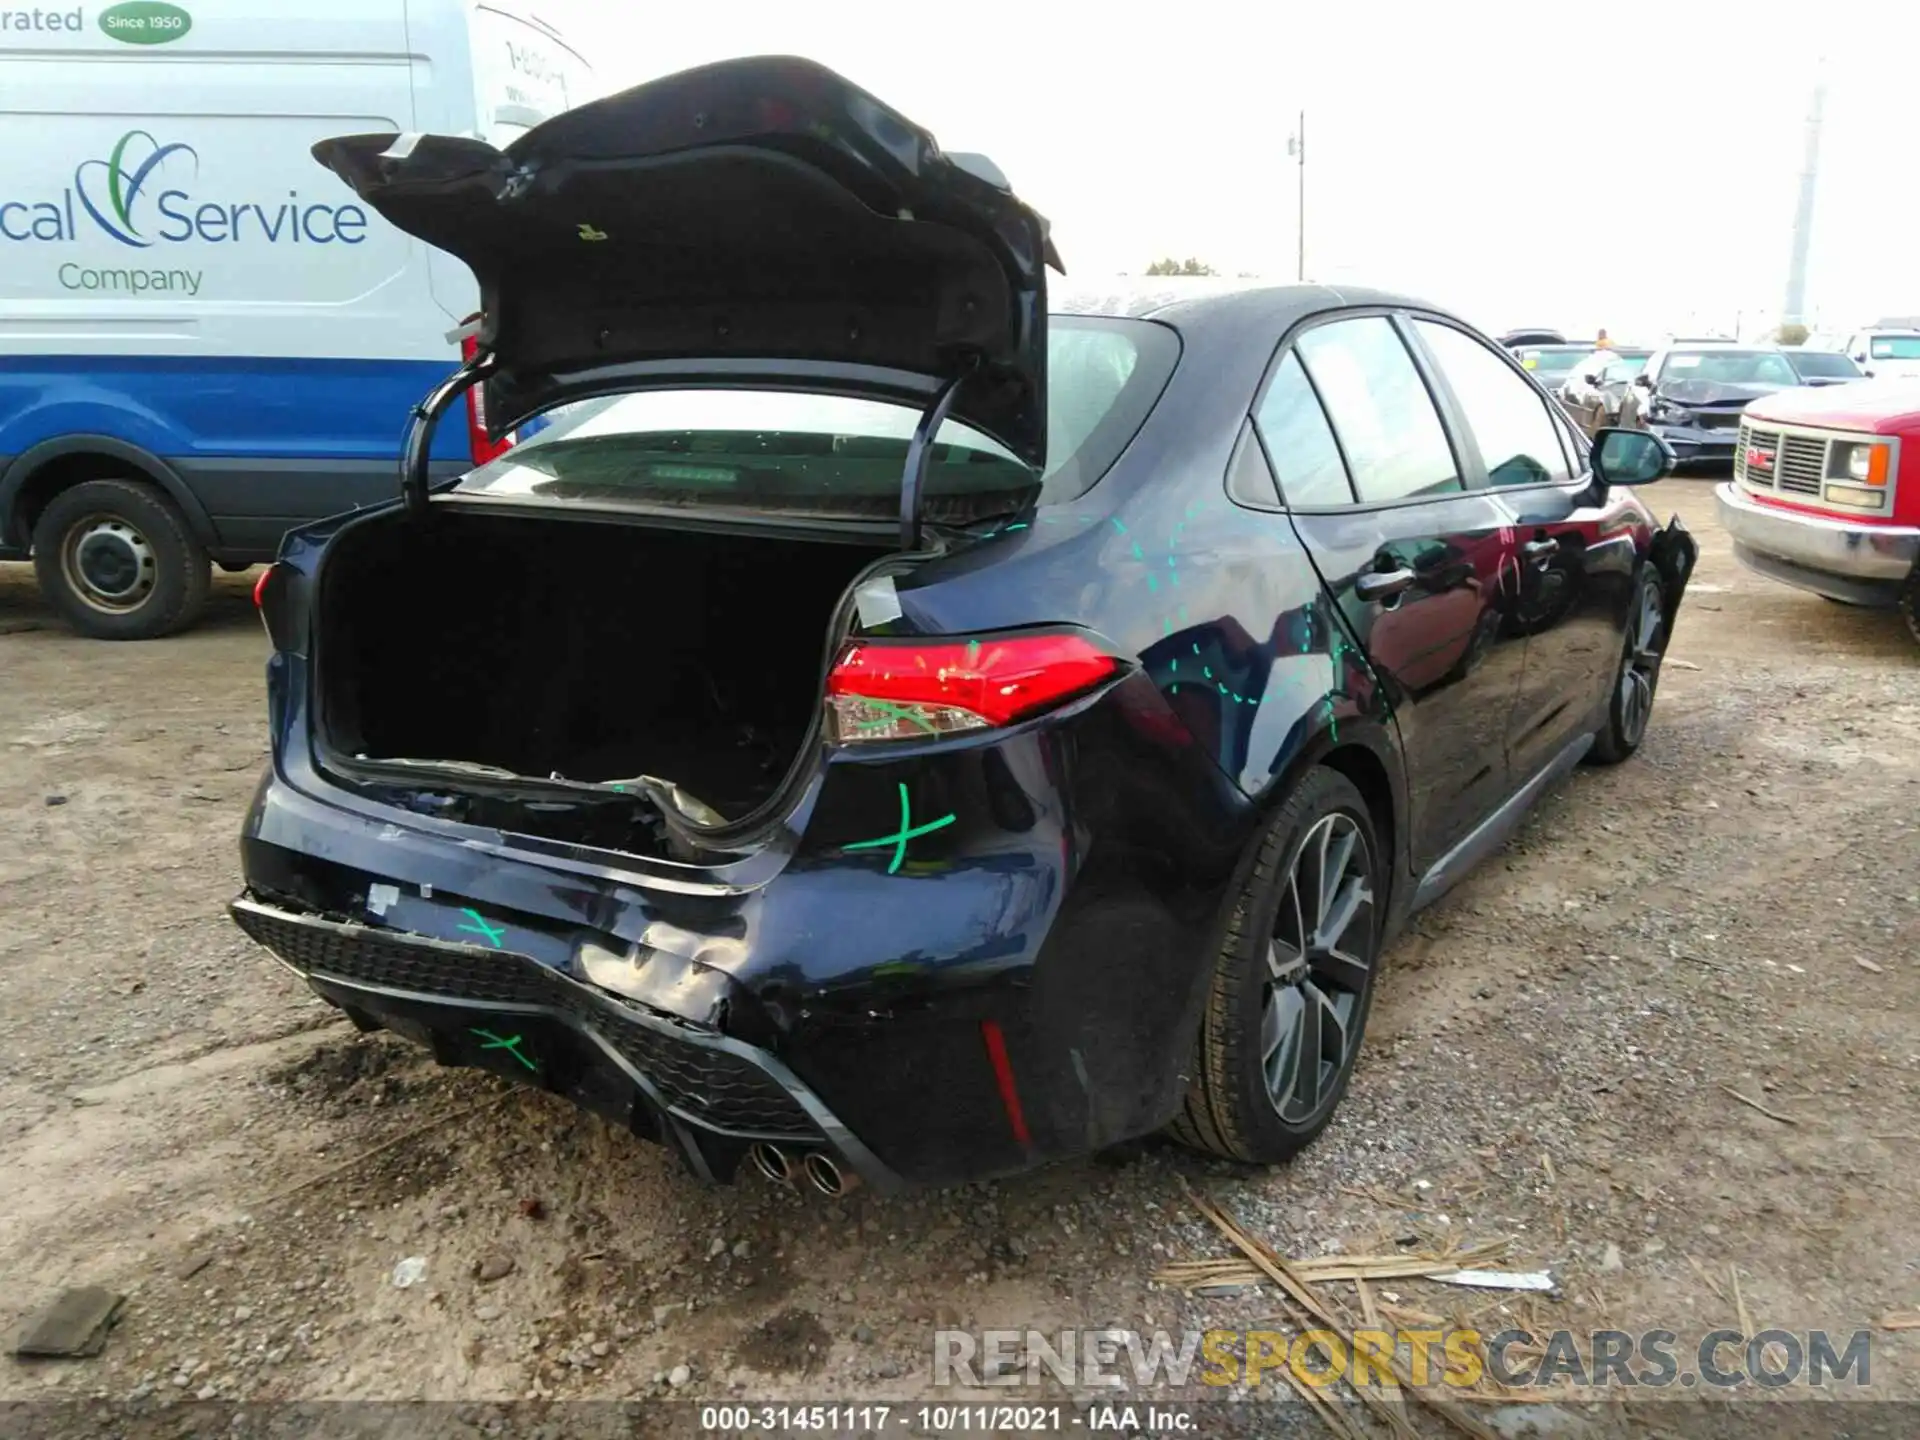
[1554, 162]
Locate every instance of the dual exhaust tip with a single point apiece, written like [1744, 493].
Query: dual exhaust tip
[817, 1167]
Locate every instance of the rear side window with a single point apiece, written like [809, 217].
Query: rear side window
[800, 454]
[1395, 445]
[1299, 441]
[1517, 437]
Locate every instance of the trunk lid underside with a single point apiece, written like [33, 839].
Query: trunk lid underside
[756, 222]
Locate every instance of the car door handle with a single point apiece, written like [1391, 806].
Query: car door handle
[1381, 584]
[1540, 549]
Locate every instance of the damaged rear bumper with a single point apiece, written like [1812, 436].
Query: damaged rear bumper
[707, 1096]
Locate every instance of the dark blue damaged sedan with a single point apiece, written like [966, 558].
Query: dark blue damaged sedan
[879, 731]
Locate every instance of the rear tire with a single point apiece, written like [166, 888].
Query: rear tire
[1293, 982]
[117, 560]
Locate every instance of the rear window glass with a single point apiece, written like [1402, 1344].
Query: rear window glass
[1550, 362]
[831, 455]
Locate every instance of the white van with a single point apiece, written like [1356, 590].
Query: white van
[1887, 351]
[204, 337]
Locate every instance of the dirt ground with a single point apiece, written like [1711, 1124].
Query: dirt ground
[1550, 1063]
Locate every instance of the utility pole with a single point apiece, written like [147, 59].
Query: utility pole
[1297, 147]
[1793, 312]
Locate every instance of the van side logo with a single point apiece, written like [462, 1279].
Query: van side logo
[111, 181]
[144, 22]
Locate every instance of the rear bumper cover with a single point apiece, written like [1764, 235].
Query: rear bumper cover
[1849, 560]
[704, 1094]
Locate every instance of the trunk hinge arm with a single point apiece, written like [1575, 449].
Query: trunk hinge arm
[913, 478]
[421, 424]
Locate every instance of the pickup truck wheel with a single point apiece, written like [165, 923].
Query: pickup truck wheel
[117, 560]
[1910, 605]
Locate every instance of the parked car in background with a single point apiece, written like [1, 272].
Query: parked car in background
[1514, 339]
[1595, 387]
[1825, 494]
[916, 750]
[1552, 364]
[203, 342]
[1822, 367]
[1692, 395]
[1886, 353]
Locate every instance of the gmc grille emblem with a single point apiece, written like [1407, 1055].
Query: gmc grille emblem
[1758, 459]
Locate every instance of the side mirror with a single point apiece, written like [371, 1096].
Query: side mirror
[1591, 377]
[1643, 380]
[1630, 457]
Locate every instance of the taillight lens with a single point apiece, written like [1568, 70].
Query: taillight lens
[916, 689]
[271, 600]
[482, 448]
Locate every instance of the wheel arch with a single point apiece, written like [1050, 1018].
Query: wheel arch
[42, 471]
[1364, 752]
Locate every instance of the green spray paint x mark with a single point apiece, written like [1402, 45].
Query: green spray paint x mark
[508, 1043]
[493, 934]
[907, 831]
[894, 712]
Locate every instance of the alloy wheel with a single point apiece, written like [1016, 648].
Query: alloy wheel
[1640, 667]
[1319, 964]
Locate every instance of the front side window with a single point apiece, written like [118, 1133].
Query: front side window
[1895, 347]
[1517, 437]
[1395, 446]
[1299, 441]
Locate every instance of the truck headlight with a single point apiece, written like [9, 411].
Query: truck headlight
[1865, 462]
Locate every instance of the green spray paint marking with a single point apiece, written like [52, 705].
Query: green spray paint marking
[894, 712]
[493, 934]
[907, 831]
[508, 1043]
[973, 652]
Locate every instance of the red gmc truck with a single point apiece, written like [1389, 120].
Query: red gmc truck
[1825, 493]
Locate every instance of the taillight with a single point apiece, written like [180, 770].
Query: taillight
[914, 689]
[270, 599]
[482, 448]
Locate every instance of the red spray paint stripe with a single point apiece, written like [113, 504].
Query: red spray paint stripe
[1003, 1073]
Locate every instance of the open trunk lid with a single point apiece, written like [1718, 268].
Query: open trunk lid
[754, 223]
